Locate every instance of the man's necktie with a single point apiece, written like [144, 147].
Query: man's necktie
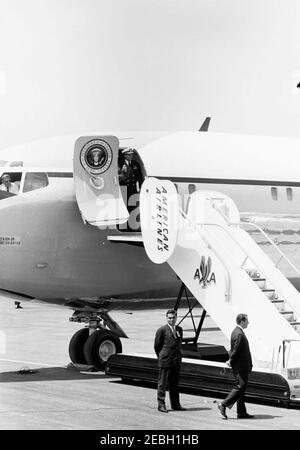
[7, 189]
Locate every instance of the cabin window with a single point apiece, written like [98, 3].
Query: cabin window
[289, 194]
[35, 180]
[274, 193]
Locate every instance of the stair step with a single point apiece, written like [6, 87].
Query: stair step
[270, 293]
[296, 325]
[261, 282]
[289, 315]
[279, 304]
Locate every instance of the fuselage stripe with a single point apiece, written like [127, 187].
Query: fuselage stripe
[191, 180]
[60, 174]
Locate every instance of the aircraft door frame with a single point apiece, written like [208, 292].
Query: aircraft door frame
[96, 180]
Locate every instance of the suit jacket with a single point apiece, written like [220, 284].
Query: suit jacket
[168, 347]
[130, 175]
[239, 355]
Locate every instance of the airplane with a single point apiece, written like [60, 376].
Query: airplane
[58, 243]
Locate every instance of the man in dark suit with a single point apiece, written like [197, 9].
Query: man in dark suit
[241, 363]
[167, 346]
[131, 173]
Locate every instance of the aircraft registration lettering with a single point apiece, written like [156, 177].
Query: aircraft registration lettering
[11, 241]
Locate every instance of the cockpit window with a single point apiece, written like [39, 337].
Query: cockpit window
[9, 184]
[35, 180]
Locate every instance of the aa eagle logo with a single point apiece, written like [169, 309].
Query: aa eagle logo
[203, 273]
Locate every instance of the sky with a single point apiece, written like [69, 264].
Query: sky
[68, 66]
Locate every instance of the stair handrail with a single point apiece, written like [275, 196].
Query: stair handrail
[211, 224]
[282, 255]
[239, 245]
[228, 281]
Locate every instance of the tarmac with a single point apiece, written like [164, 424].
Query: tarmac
[39, 390]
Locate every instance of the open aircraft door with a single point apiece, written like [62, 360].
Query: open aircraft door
[96, 180]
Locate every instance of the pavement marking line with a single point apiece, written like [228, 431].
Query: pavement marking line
[27, 362]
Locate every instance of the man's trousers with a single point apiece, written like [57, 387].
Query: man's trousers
[168, 377]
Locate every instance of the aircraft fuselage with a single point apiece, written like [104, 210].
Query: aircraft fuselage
[48, 252]
[56, 255]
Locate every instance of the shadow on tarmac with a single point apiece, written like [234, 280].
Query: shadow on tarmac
[49, 374]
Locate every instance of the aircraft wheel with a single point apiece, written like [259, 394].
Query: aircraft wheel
[100, 345]
[76, 346]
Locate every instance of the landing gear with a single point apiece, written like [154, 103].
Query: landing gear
[94, 344]
[100, 346]
[76, 346]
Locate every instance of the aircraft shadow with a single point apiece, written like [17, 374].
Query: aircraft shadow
[49, 374]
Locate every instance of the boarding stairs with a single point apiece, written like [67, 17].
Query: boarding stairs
[281, 304]
[228, 273]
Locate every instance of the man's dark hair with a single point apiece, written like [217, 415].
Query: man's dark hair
[240, 318]
[171, 311]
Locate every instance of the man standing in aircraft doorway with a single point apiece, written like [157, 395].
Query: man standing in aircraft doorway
[241, 362]
[167, 346]
[132, 174]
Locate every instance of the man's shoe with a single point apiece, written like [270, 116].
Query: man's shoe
[245, 416]
[162, 409]
[179, 408]
[222, 410]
